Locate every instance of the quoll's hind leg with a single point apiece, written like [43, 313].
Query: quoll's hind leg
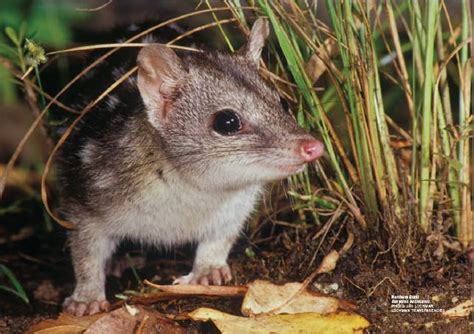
[210, 265]
[90, 250]
[116, 266]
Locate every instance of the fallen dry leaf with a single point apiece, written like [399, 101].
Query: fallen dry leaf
[316, 65]
[121, 321]
[65, 323]
[459, 311]
[329, 262]
[265, 297]
[340, 323]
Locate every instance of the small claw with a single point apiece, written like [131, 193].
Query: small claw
[94, 308]
[216, 277]
[104, 305]
[226, 274]
[98, 306]
[185, 279]
[80, 309]
[204, 280]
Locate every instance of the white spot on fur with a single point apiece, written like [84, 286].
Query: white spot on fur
[112, 101]
[117, 73]
[104, 180]
[176, 28]
[132, 80]
[133, 27]
[124, 141]
[149, 39]
[87, 154]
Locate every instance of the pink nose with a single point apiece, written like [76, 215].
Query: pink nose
[311, 149]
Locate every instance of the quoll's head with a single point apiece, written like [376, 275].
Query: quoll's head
[220, 124]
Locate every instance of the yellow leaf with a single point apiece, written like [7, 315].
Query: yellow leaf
[333, 323]
[459, 311]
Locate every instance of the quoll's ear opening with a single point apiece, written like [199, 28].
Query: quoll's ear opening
[258, 35]
[159, 72]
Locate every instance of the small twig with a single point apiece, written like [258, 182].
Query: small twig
[95, 8]
[374, 288]
[200, 28]
[142, 324]
[53, 100]
[324, 231]
[383, 252]
[33, 103]
[116, 45]
[355, 285]
[203, 290]
[183, 291]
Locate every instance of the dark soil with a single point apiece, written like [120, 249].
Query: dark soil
[41, 263]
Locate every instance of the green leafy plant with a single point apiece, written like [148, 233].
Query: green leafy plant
[16, 288]
[26, 24]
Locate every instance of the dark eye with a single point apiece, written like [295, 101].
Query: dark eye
[284, 104]
[227, 122]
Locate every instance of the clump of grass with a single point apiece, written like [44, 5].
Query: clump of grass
[378, 57]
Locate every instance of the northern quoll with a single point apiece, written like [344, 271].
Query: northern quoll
[179, 153]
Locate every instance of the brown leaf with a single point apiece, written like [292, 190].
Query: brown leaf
[315, 66]
[65, 323]
[128, 319]
[265, 297]
[329, 262]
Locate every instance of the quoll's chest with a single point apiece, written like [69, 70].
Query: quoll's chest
[172, 213]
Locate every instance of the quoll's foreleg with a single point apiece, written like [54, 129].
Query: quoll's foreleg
[210, 265]
[90, 250]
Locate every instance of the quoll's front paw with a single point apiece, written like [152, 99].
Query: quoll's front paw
[79, 309]
[212, 276]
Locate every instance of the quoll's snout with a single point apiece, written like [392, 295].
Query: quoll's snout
[311, 149]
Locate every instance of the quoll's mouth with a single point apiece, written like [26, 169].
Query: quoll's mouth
[311, 149]
[306, 150]
[292, 169]
[296, 154]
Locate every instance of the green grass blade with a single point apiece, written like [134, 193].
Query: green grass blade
[18, 289]
[426, 117]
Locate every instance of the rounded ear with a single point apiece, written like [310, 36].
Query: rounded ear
[159, 72]
[258, 35]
